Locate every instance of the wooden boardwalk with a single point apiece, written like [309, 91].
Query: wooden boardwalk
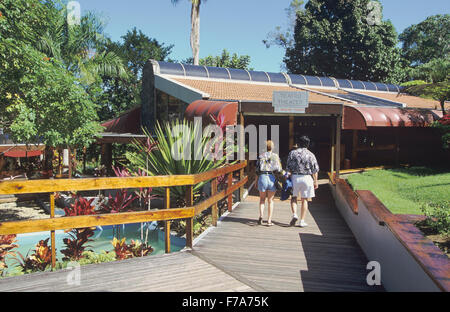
[175, 272]
[238, 255]
[321, 257]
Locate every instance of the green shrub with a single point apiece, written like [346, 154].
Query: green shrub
[437, 218]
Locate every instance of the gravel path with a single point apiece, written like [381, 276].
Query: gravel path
[21, 211]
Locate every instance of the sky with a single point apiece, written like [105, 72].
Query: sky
[240, 26]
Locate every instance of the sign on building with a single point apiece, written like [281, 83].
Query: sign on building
[290, 102]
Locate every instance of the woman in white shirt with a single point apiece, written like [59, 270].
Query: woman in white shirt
[268, 162]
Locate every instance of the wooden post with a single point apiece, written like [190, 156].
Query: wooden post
[241, 172]
[291, 132]
[69, 151]
[355, 148]
[338, 144]
[241, 189]
[59, 163]
[52, 233]
[167, 223]
[397, 147]
[230, 197]
[189, 221]
[333, 144]
[214, 208]
[84, 159]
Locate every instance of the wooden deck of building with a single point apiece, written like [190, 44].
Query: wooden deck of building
[237, 255]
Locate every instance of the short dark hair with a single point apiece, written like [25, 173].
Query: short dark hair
[303, 141]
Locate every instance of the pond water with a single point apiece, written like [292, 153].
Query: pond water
[101, 240]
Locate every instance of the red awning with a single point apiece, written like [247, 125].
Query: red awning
[359, 117]
[205, 109]
[21, 153]
[128, 122]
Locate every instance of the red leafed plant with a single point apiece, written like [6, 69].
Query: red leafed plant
[134, 249]
[39, 260]
[81, 207]
[75, 244]
[445, 120]
[119, 203]
[6, 245]
[143, 193]
[78, 237]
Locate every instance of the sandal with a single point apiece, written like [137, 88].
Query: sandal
[260, 221]
[269, 224]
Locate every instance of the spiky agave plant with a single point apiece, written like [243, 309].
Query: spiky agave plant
[177, 138]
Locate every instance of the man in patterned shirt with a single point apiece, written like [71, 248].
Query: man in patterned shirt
[303, 168]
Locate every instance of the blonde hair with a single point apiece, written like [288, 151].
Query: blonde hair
[270, 145]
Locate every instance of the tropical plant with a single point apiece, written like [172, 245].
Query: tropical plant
[40, 260]
[119, 203]
[144, 194]
[43, 74]
[181, 149]
[75, 46]
[75, 245]
[6, 247]
[195, 28]
[33, 90]
[80, 207]
[134, 249]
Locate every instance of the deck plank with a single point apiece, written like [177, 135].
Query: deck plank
[181, 271]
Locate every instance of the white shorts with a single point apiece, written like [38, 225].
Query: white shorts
[302, 186]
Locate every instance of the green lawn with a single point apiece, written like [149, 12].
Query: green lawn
[405, 190]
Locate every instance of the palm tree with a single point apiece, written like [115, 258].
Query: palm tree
[75, 45]
[195, 28]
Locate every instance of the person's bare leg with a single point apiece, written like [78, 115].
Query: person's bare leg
[294, 205]
[270, 196]
[294, 211]
[304, 209]
[262, 200]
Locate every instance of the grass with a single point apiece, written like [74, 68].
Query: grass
[406, 190]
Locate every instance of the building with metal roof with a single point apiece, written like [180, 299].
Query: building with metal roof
[357, 113]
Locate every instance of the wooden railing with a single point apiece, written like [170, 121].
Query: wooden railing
[167, 214]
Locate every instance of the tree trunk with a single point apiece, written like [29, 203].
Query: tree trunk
[442, 102]
[195, 30]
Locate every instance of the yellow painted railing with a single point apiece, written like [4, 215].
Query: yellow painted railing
[167, 214]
